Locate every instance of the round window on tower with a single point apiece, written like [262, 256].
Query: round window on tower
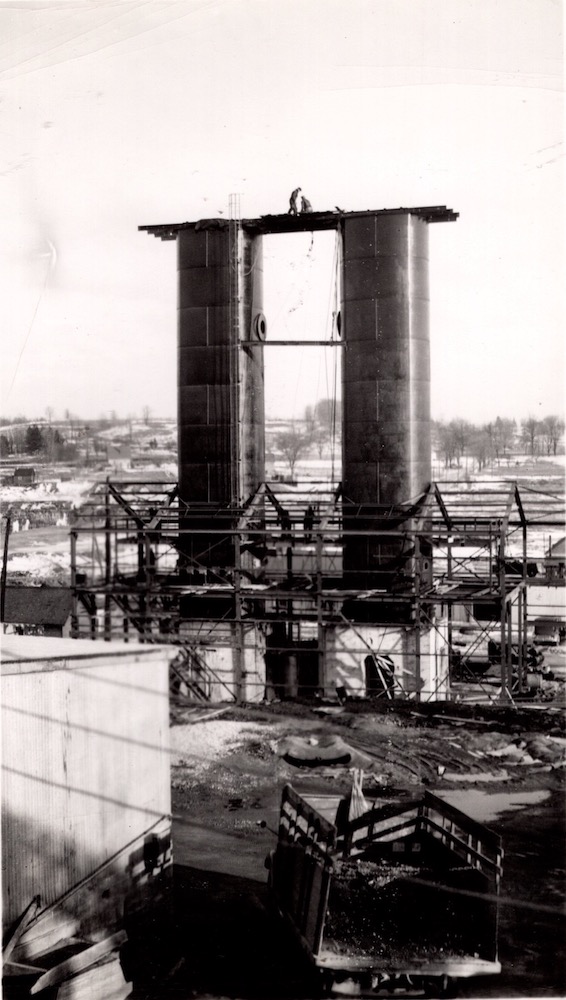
[260, 326]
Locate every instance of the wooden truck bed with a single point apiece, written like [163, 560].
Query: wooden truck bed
[407, 889]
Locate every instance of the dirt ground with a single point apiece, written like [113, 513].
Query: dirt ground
[505, 767]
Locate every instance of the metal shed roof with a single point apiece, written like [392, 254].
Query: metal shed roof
[37, 605]
[30, 653]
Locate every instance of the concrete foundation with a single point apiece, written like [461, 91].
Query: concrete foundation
[420, 659]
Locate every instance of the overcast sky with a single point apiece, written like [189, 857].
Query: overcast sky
[116, 114]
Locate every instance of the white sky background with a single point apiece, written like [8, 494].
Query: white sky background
[118, 114]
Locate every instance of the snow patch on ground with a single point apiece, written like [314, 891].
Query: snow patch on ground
[200, 744]
[38, 564]
[57, 490]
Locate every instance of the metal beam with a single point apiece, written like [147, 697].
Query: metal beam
[292, 343]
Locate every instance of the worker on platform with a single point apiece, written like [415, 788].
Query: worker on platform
[308, 523]
[293, 209]
[305, 205]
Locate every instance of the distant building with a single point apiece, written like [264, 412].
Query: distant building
[38, 611]
[548, 630]
[119, 457]
[555, 561]
[24, 476]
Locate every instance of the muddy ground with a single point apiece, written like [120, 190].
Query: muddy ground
[503, 766]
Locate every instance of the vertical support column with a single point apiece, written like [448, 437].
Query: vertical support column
[75, 606]
[505, 625]
[107, 569]
[502, 624]
[4, 573]
[238, 627]
[509, 615]
[523, 615]
[521, 643]
[253, 327]
[450, 609]
[418, 618]
[320, 631]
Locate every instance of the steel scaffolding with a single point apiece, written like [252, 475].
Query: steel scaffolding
[134, 575]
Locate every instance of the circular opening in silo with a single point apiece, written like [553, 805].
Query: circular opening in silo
[260, 326]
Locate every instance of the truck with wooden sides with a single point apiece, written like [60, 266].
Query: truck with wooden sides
[402, 898]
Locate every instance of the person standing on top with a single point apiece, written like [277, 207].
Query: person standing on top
[305, 205]
[293, 210]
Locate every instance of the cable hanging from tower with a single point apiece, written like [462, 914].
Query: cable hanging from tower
[334, 332]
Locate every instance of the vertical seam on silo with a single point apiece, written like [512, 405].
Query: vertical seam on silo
[377, 418]
[376, 327]
[378, 422]
[411, 356]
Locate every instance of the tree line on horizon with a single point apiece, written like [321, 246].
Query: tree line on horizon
[320, 427]
[452, 440]
[496, 440]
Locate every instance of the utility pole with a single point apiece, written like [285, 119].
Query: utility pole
[5, 568]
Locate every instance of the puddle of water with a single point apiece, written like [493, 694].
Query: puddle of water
[487, 806]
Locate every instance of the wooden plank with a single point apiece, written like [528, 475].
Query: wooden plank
[296, 812]
[105, 980]
[462, 848]
[466, 823]
[80, 962]
[459, 966]
[19, 927]
[381, 813]
[20, 969]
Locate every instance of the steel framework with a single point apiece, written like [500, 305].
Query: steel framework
[131, 575]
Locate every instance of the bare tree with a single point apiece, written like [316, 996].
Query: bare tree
[293, 443]
[70, 418]
[530, 429]
[146, 414]
[319, 438]
[501, 435]
[505, 433]
[482, 445]
[310, 420]
[552, 429]
[447, 444]
[328, 413]
[463, 433]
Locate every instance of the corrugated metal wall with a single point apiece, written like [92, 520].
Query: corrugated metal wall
[85, 763]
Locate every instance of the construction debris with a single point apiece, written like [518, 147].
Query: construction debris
[316, 751]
